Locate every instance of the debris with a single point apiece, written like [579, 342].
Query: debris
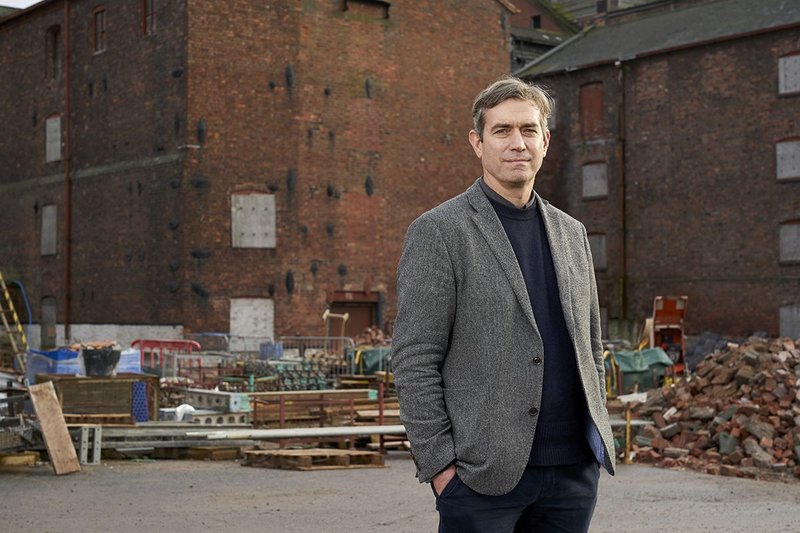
[739, 415]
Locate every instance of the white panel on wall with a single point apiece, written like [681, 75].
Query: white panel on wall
[789, 242]
[595, 180]
[787, 157]
[790, 321]
[252, 322]
[49, 230]
[789, 74]
[597, 243]
[53, 138]
[253, 220]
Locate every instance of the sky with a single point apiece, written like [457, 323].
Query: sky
[17, 3]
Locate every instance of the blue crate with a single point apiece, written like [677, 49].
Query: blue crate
[139, 409]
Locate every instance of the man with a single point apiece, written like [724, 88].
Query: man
[496, 346]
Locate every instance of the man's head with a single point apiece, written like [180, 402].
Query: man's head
[511, 136]
[509, 88]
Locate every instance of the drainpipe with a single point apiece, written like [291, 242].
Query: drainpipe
[67, 184]
[623, 279]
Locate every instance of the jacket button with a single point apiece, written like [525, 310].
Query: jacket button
[533, 411]
[537, 360]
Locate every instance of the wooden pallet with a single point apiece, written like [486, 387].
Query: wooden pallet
[314, 459]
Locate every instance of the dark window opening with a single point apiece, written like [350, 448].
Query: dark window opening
[149, 16]
[536, 21]
[99, 29]
[53, 53]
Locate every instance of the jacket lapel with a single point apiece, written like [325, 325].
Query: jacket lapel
[557, 238]
[492, 229]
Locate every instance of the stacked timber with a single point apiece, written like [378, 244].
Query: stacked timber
[739, 415]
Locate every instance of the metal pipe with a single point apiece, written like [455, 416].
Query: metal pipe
[291, 433]
[67, 184]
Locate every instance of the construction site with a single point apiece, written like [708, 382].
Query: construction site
[205, 208]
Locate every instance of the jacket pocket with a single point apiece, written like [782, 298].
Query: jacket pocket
[469, 419]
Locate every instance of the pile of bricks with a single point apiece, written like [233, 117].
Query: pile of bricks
[738, 415]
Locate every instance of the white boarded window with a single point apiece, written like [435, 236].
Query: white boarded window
[790, 321]
[252, 323]
[790, 242]
[597, 243]
[789, 74]
[787, 159]
[595, 180]
[53, 138]
[253, 220]
[49, 230]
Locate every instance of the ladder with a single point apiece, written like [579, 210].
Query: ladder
[12, 326]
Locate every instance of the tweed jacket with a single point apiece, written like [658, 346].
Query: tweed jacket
[465, 337]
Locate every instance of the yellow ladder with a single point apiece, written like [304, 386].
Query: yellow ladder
[12, 325]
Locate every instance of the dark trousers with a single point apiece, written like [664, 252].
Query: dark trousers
[547, 499]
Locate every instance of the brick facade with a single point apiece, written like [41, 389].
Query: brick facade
[355, 121]
[692, 188]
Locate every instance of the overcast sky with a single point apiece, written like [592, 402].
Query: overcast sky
[17, 3]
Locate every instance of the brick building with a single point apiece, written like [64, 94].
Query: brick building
[676, 142]
[177, 167]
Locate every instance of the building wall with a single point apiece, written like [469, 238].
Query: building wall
[309, 102]
[304, 100]
[120, 140]
[702, 206]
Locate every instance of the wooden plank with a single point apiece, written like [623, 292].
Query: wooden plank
[54, 430]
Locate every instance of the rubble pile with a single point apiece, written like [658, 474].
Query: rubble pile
[372, 336]
[739, 415]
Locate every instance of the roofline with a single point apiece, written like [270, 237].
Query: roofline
[509, 6]
[552, 51]
[652, 53]
[26, 11]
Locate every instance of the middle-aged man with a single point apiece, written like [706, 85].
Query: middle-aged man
[497, 354]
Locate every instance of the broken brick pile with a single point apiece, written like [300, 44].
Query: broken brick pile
[738, 415]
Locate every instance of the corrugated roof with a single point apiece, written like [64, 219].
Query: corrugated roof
[665, 31]
[535, 35]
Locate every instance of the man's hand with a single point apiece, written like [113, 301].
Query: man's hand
[441, 479]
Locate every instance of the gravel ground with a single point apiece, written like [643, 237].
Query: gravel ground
[195, 496]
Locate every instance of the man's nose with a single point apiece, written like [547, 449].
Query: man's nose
[516, 140]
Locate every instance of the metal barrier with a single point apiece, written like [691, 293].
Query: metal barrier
[335, 353]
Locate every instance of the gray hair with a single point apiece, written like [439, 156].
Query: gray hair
[510, 88]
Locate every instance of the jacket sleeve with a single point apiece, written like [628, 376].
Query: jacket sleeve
[426, 303]
[594, 318]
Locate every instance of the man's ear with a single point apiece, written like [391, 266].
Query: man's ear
[475, 141]
[546, 141]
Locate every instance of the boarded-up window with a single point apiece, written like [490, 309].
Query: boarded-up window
[49, 230]
[789, 74]
[53, 138]
[48, 323]
[790, 242]
[551, 121]
[149, 16]
[252, 322]
[592, 110]
[787, 159]
[790, 321]
[595, 180]
[253, 220]
[597, 243]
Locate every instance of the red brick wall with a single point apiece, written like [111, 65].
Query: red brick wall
[387, 99]
[703, 206]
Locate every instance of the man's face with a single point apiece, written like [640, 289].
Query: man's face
[513, 145]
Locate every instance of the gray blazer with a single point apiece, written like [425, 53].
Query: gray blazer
[465, 336]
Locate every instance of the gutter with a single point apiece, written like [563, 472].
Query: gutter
[67, 183]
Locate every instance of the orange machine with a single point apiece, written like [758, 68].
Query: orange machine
[665, 329]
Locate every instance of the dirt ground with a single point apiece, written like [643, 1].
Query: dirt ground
[196, 496]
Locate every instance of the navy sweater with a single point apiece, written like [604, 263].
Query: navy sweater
[560, 437]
